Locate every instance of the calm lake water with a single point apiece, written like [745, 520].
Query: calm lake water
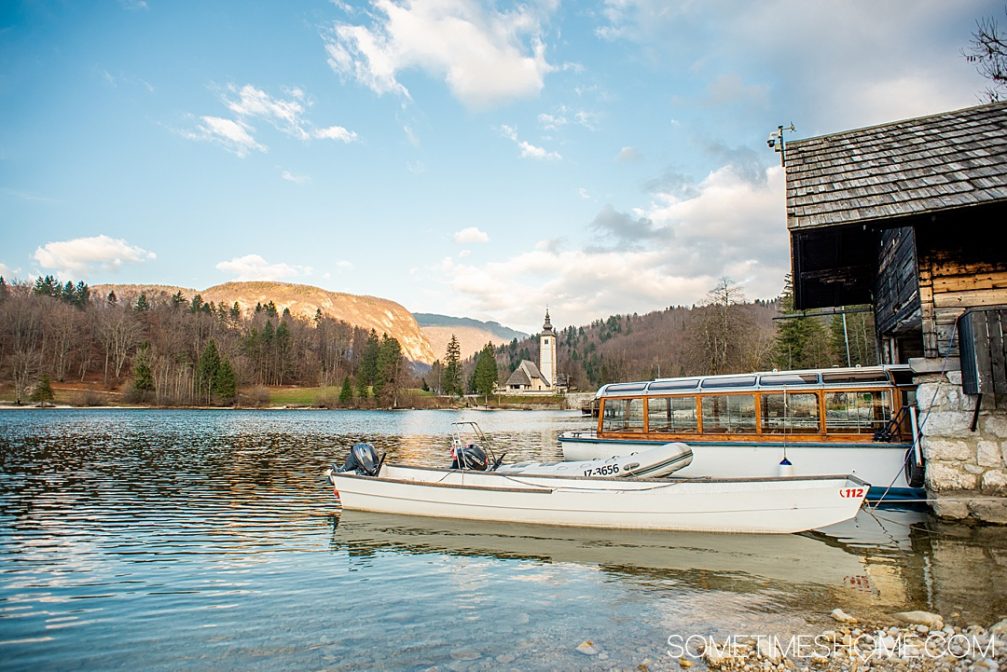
[136, 539]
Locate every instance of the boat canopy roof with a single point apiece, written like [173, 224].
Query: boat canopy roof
[856, 376]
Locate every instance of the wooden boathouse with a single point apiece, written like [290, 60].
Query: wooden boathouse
[911, 217]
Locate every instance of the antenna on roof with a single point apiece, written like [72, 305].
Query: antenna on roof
[775, 141]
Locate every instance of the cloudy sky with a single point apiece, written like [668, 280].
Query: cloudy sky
[461, 157]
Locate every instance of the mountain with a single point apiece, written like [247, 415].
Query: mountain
[369, 312]
[472, 334]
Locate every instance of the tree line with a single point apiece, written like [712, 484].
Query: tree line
[174, 350]
[725, 333]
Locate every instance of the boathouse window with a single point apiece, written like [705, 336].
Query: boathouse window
[729, 413]
[862, 412]
[789, 413]
[623, 415]
[672, 414]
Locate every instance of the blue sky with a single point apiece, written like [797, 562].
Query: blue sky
[459, 157]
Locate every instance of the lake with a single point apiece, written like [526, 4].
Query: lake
[164, 539]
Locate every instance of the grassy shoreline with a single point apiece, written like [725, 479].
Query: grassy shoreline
[89, 395]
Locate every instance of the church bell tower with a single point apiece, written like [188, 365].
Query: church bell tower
[547, 352]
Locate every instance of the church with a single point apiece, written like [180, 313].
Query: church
[542, 378]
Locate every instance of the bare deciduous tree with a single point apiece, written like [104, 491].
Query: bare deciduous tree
[988, 50]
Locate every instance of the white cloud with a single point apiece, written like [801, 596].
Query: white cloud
[528, 150]
[335, 133]
[471, 234]
[584, 193]
[284, 114]
[552, 122]
[729, 225]
[81, 256]
[6, 271]
[483, 55]
[254, 267]
[627, 154]
[234, 136]
[851, 72]
[249, 103]
[589, 120]
[293, 177]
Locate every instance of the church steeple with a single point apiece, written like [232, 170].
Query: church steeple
[547, 352]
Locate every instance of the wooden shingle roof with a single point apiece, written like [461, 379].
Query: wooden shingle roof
[904, 168]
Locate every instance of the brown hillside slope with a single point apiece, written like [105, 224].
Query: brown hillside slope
[471, 339]
[369, 312]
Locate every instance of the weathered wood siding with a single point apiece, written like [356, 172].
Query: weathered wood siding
[984, 351]
[896, 290]
[959, 269]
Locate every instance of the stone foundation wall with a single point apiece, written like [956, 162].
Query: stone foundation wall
[966, 471]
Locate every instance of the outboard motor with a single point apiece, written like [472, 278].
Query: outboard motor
[362, 460]
[470, 457]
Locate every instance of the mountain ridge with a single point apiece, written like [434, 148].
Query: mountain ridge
[369, 312]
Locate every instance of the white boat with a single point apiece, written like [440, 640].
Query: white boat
[763, 505]
[651, 462]
[856, 420]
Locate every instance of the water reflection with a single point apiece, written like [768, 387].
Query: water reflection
[168, 539]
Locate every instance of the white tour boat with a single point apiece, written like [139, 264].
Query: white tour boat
[856, 420]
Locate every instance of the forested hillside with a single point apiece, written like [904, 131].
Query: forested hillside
[183, 350]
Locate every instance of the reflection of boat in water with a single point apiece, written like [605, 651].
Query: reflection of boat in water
[819, 421]
[789, 558]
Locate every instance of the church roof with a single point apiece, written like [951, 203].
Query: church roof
[525, 372]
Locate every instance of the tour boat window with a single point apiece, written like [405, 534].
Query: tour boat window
[789, 379]
[672, 414]
[831, 377]
[797, 412]
[729, 413]
[733, 381]
[623, 415]
[861, 412]
[665, 385]
[622, 388]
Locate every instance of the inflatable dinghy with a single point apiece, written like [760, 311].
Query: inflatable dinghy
[655, 462]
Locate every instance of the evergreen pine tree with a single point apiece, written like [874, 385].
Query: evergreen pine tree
[225, 385]
[141, 303]
[143, 377]
[388, 369]
[81, 294]
[452, 368]
[206, 370]
[112, 299]
[485, 375]
[346, 394]
[801, 342]
[368, 371]
[43, 391]
[236, 312]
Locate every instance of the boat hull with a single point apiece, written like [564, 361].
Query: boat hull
[770, 505]
[881, 464]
